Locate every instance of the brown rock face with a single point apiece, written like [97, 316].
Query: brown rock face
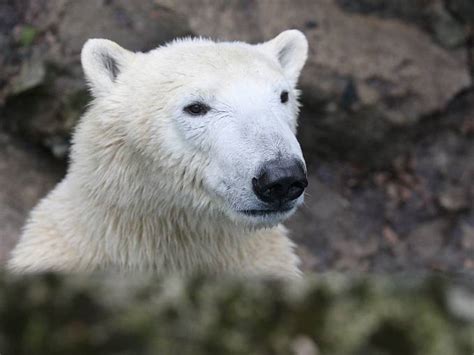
[45, 92]
[387, 138]
[361, 61]
[26, 175]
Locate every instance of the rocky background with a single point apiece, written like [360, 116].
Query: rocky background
[387, 123]
[387, 128]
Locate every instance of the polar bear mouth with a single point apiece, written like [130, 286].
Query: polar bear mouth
[265, 212]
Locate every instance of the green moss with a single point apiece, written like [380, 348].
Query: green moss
[27, 35]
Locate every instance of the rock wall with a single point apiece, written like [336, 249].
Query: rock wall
[388, 63]
[386, 125]
[44, 92]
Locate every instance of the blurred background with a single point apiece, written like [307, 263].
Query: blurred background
[387, 123]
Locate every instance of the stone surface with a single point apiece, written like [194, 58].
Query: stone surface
[381, 165]
[44, 91]
[426, 240]
[414, 214]
[356, 61]
[26, 175]
[433, 16]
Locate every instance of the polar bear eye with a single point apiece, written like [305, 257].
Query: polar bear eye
[284, 97]
[197, 109]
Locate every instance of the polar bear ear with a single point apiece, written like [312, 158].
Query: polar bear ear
[102, 61]
[291, 49]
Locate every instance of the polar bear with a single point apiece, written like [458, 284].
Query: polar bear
[186, 161]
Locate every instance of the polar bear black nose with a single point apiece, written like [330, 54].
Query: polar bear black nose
[280, 181]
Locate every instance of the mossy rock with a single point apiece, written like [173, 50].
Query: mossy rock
[51, 314]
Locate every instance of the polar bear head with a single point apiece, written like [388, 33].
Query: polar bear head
[211, 124]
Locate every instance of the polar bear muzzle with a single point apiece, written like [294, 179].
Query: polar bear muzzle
[280, 182]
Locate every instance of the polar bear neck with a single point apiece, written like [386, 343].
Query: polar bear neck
[131, 211]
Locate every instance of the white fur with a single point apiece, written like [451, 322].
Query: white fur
[151, 188]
